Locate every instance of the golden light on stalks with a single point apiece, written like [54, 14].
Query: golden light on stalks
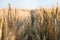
[23, 24]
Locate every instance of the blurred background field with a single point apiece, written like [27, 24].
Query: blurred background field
[45, 20]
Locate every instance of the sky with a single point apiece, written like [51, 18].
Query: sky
[28, 3]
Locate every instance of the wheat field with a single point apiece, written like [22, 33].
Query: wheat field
[25, 24]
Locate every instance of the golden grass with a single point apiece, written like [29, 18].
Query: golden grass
[21, 24]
